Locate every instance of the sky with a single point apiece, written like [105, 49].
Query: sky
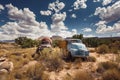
[35, 18]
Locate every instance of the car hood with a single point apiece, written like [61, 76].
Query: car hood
[80, 46]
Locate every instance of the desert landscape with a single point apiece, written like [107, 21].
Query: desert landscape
[51, 65]
[59, 39]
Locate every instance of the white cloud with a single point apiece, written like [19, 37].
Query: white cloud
[57, 22]
[96, 0]
[73, 16]
[58, 26]
[43, 25]
[24, 16]
[79, 4]
[103, 28]
[1, 7]
[24, 25]
[106, 2]
[56, 6]
[74, 31]
[46, 13]
[86, 29]
[110, 13]
[107, 15]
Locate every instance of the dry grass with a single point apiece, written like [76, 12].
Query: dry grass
[111, 74]
[51, 60]
[82, 76]
[79, 75]
[103, 66]
[102, 49]
[91, 59]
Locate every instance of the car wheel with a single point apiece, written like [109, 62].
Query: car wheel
[70, 57]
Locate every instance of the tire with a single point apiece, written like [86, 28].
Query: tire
[70, 57]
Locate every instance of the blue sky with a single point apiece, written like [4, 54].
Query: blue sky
[92, 18]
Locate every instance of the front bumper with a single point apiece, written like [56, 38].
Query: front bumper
[80, 53]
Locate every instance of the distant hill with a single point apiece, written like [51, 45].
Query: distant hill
[105, 38]
[57, 38]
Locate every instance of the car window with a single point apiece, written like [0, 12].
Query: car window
[73, 46]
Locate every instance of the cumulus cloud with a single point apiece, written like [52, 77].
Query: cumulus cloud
[74, 31]
[79, 4]
[108, 15]
[73, 16]
[58, 22]
[86, 29]
[58, 18]
[46, 13]
[103, 28]
[106, 2]
[56, 6]
[58, 26]
[1, 7]
[24, 25]
[24, 16]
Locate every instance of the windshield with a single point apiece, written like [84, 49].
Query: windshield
[78, 46]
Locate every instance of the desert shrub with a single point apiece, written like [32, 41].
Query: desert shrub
[102, 49]
[51, 60]
[36, 72]
[54, 64]
[91, 59]
[55, 43]
[111, 74]
[92, 50]
[25, 42]
[114, 47]
[103, 66]
[114, 50]
[118, 59]
[82, 76]
[67, 77]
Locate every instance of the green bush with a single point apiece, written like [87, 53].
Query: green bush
[25, 42]
[103, 49]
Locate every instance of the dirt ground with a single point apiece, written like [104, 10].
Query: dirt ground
[70, 68]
